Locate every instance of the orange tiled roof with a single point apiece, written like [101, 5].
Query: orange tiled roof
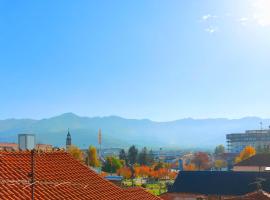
[58, 176]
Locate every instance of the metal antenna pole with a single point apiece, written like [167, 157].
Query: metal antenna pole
[32, 174]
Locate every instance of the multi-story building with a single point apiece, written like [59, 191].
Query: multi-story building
[236, 142]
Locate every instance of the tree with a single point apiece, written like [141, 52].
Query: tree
[75, 152]
[201, 161]
[158, 166]
[247, 152]
[132, 155]
[112, 164]
[93, 157]
[190, 167]
[123, 155]
[151, 158]
[220, 149]
[143, 157]
[125, 172]
[219, 164]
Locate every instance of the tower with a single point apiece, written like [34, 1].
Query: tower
[68, 140]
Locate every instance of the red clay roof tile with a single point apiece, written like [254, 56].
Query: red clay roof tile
[58, 176]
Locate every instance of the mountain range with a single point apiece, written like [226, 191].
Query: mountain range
[121, 132]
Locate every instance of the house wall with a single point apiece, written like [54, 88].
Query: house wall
[249, 168]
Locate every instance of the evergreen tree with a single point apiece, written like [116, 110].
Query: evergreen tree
[220, 149]
[143, 157]
[123, 156]
[132, 155]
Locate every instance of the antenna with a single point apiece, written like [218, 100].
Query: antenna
[32, 174]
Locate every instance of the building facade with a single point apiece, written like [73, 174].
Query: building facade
[259, 139]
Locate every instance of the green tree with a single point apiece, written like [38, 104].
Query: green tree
[93, 157]
[132, 155]
[143, 157]
[220, 149]
[111, 165]
[151, 158]
[123, 156]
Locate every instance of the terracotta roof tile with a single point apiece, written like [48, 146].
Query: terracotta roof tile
[58, 176]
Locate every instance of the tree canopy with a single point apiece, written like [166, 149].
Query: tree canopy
[220, 149]
[132, 155]
[93, 160]
[75, 152]
[247, 152]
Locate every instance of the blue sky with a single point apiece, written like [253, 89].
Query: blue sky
[161, 60]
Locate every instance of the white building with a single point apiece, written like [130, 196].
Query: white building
[26, 141]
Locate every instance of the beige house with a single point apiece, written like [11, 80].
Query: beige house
[256, 163]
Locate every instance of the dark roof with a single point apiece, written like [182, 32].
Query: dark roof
[219, 182]
[256, 160]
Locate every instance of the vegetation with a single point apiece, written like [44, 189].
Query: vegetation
[219, 164]
[132, 155]
[220, 149]
[247, 152]
[75, 152]
[201, 161]
[92, 158]
[112, 164]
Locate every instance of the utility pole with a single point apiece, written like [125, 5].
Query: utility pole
[99, 142]
[32, 174]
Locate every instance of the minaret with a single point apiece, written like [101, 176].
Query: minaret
[68, 140]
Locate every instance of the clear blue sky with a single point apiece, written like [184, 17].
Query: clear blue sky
[160, 60]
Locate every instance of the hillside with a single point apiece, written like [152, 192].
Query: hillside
[117, 131]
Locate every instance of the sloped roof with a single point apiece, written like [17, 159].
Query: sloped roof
[258, 195]
[256, 160]
[219, 182]
[58, 176]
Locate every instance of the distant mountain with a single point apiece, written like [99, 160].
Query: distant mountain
[120, 132]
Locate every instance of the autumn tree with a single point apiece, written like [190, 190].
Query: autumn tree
[125, 172]
[220, 149]
[75, 152]
[190, 167]
[93, 160]
[201, 161]
[219, 164]
[132, 155]
[112, 164]
[247, 152]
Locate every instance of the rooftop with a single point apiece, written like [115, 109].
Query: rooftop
[58, 176]
[256, 160]
[219, 182]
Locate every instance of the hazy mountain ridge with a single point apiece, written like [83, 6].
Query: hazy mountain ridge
[117, 131]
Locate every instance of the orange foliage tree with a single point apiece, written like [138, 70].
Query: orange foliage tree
[201, 161]
[247, 152]
[125, 172]
[190, 167]
[142, 171]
